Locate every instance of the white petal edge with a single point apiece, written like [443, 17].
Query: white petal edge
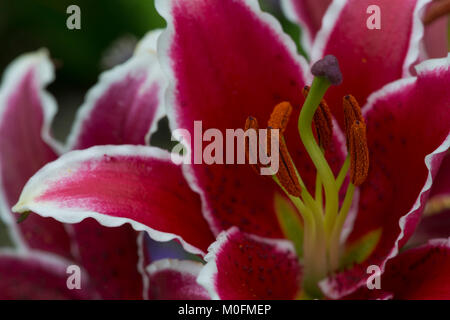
[328, 22]
[289, 11]
[182, 266]
[143, 59]
[34, 188]
[207, 275]
[164, 42]
[431, 65]
[13, 74]
[149, 43]
[332, 15]
[417, 34]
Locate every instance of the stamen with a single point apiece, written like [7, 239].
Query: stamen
[286, 172]
[359, 153]
[280, 116]
[322, 121]
[352, 113]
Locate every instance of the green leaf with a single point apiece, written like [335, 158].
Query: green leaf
[290, 222]
[361, 249]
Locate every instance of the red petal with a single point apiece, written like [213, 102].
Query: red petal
[421, 273]
[110, 256]
[117, 185]
[39, 276]
[308, 14]
[26, 112]
[245, 267]
[369, 59]
[408, 135]
[175, 280]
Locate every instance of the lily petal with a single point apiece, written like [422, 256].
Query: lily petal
[116, 185]
[124, 105]
[111, 258]
[440, 193]
[420, 273]
[431, 227]
[416, 274]
[39, 276]
[26, 113]
[175, 280]
[407, 123]
[377, 56]
[246, 267]
[308, 14]
[435, 222]
[123, 108]
[220, 78]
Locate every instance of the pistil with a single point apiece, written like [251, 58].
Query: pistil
[322, 216]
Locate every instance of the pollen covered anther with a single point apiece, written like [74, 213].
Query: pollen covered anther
[352, 113]
[323, 122]
[359, 153]
[286, 172]
[280, 116]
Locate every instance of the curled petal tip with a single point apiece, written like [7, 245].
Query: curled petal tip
[328, 67]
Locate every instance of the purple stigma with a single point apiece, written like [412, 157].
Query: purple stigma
[328, 67]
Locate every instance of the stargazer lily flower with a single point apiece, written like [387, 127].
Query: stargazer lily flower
[340, 202]
[123, 107]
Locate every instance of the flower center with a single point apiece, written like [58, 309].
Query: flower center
[323, 215]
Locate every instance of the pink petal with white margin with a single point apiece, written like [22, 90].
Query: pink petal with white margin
[246, 267]
[175, 280]
[124, 106]
[416, 274]
[407, 121]
[420, 273]
[369, 59]
[220, 73]
[39, 276]
[26, 112]
[120, 184]
[308, 14]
